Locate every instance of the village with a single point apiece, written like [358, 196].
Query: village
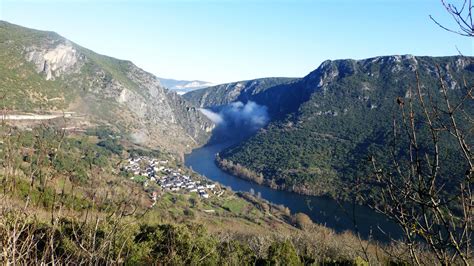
[150, 171]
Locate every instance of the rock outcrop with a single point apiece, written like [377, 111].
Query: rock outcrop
[55, 61]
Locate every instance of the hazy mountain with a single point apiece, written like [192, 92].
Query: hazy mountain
[336, 116]
[43, 72]
[184, 86]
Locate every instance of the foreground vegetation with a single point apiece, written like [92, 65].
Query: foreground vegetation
[64, 201]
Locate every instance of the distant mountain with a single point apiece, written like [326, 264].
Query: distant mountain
[326, 124]
[183, 86]
[44, 72]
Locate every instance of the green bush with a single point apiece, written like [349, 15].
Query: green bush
[283, 253]
[111, 145]
[177, 245]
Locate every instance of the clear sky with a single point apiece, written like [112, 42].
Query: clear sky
[230, 40]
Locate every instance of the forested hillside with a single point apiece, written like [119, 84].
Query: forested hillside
[323, 146]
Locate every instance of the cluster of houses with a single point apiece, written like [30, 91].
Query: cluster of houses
[145, 166]
[168, 179]
[176, 181]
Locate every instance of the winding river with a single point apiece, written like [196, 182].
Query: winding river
[322, 210]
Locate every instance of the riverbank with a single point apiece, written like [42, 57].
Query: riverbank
[242, 172]
[337, 215]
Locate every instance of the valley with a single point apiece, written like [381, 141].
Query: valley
[300, 158]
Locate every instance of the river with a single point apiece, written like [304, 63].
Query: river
[322, 210]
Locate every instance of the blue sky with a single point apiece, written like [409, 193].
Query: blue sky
[230, 40]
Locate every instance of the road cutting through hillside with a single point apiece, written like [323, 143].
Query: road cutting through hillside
[35, 116]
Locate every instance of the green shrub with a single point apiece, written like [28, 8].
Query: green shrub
[283, 253]
[111, 145]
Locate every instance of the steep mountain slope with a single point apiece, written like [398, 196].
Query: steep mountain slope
[264, 91]
[44, 72]
[323, 145]
[184, 86]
